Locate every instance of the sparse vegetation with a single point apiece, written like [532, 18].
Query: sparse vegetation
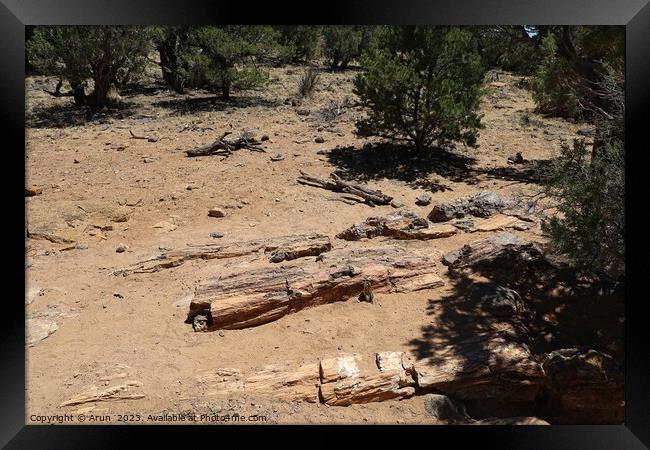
[308, 81]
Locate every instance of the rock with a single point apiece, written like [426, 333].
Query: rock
[166, 226]
[323, 152]
[319, 140]
[444, 408]
[497, 222]
[39, 329]
[265, 137]
[221, 333]
[403, 224]
[120, 217]
[303, 112]
[216, 234]
[516, 159]
[32, 293]
[81, 246]
[148, 160]
[396, 203]
[32, 191]
[501, 250]
[423, 200]
[121, 248]
[277, 157]
[586, 386]
[216, 212]
[497, 300]
[117, 295]
[296, 102]
[484, 204]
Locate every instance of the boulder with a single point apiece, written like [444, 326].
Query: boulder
[586, 386]
[495, 299]
[445, 408]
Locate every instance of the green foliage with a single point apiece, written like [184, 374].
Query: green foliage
[345, 43]
[591, 190]
[105, 55]
[303, 41]
[230, 56]
[550, 89]
[425, 87]
[509, 48]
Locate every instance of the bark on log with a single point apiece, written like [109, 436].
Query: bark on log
[258, 296]
[336, 184]
[503, 248]
[282, 248]
[225, 147]
[300, 384]
[399, 225]
[482, 368]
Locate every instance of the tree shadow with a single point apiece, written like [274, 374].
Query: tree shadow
[71, 115]
[559, 311]
[189, 105]
[402, 162]
[529, 172]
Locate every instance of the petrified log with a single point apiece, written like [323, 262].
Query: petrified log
[344, 383]
[258, 296]
[502, 248]
[282, 248]
[586, 385]
[399, 225]
[111, 393]
[482, 368]
[336, 184]
[483, 204]
[225, 147]
[498, 222]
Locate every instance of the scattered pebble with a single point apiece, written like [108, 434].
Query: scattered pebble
[216, 212]
[121, 248]
[423, 200]
[216, 234]
[221, 333]
[319, 140]
[264, 137]
[118, 295]
[277, 157]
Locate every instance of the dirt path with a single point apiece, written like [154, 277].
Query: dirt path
[95, 174]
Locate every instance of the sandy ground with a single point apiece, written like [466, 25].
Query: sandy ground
[92, 172]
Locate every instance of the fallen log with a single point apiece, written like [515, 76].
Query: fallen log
[282, 248]
[336, 184]
[503, 248]
[343, 383]
[482, 368]
[225, 147]
[300, 384]
[258, 296]
[399, 225]
[484, 204]
[111, 393]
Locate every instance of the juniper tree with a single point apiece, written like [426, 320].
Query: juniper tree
[424, 87]
[103, 55]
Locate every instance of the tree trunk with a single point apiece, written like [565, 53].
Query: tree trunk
[169, 66]
[99, 96]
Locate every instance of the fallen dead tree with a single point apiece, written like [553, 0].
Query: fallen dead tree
[399, 225]
[504, 371]
[283, 248]
[254, 297]
[336, 184]
[225, 147]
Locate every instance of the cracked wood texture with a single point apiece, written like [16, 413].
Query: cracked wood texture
[257, 296]
[278, 249]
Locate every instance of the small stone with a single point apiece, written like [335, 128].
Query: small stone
[319, 140]
[121, 248]
[277, 199]
[216, 212]
[423, 200]
[81, 246]
[221, 333]
[322, 152]
[277, 157]
[76, 161]
[264, 137]
[216, 234]
[295, 102]
[32, 191]
[165, 248]
[189, 187]
[396, 203]
[252, 224]
[303, 112]
[118, 295]
[148, 160]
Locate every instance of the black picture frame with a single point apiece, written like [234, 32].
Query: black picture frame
[15, 14]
